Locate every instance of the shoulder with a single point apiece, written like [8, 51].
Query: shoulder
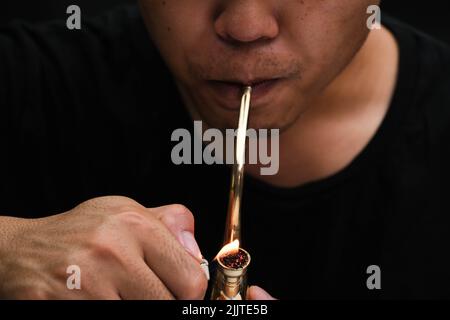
[424, 81]
[433, 87]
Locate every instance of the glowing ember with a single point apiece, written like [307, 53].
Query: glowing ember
[235, 260]
[230, 248]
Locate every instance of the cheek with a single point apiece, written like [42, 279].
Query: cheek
[177, 29]
[326, 36]
[327, 24]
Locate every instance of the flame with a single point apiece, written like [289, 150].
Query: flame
[232, 247]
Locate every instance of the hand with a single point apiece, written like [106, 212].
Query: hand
[257, 293]
[123, 250]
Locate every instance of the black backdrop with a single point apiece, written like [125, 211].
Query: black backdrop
[429, 16]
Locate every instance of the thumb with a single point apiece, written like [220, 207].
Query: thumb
[257, 293]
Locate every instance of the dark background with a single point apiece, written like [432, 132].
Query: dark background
[429, 16]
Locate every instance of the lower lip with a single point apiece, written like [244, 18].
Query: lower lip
[229, 95]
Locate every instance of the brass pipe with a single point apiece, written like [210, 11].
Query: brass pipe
[230, 282]
[233, 222]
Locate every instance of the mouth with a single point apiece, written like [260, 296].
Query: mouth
[228, 92]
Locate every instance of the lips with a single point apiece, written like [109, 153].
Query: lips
[229, 92]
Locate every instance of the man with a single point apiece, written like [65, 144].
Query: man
[358, 208]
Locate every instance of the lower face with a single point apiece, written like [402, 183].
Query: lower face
[289, 51]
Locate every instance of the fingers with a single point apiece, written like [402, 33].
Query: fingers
[257, 293]
[165, 255]
[143, 285]
[169, 253]
[124, 250]
[180, 222]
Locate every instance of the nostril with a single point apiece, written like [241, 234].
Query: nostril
[237, 23]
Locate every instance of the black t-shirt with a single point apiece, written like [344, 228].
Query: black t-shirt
[90, 113]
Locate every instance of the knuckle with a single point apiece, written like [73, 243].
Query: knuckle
[178, 212]
[169, 220]
[109, 202]
[103, 250]
[102, 247]
[136, 220]
[180, 209]
[127, 206]
[131, 217]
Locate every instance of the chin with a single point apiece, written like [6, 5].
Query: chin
[273, 118]
[230, 121]
[264, 123]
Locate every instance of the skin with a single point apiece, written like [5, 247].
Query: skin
[335, 82]
[124, 251]
[308, 43]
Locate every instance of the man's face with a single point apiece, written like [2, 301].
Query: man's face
[287, 50]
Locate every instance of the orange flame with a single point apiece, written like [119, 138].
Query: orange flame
[232, 247]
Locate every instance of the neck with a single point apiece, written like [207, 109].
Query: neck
[342, 120]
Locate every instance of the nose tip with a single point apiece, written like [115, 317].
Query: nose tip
[246, 21]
